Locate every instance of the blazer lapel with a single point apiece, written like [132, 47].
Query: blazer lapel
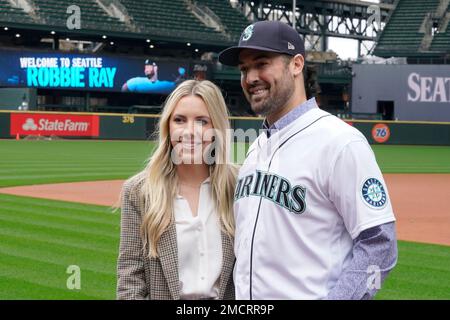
[228, 263]
[168, 256]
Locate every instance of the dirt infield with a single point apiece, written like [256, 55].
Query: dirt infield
[422, 206]
[421, 201]
[103, 193]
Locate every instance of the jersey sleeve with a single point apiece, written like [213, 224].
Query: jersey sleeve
[131, 84]
[358, 190]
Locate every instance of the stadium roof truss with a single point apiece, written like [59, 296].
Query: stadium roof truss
[319, 19]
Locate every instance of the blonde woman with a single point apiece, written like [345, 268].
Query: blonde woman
[177, 221]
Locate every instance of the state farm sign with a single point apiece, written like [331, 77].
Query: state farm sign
[54, 124]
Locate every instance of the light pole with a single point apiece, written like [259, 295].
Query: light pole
[294, 9]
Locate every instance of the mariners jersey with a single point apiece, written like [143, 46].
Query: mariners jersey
[143, 84]
[302, 197]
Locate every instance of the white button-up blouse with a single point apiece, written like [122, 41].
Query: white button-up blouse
[199, 246]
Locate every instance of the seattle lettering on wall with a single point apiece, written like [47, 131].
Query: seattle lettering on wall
[428, 89]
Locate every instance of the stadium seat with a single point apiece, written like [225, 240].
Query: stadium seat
[54, 12]
[401, 36]
[172, 19]
[10, 14]
[441, 41]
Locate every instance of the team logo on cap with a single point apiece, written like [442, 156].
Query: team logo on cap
[248, 32]
[373, 193]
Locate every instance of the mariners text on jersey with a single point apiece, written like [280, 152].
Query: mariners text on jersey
[274, 188]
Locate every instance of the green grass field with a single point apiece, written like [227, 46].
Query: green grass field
[36, 162]
[39, 238]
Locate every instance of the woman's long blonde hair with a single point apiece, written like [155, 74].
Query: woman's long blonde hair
[159, 187]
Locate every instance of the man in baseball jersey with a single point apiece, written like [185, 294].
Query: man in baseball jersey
[313, 214]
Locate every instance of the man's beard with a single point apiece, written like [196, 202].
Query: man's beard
[274, 102]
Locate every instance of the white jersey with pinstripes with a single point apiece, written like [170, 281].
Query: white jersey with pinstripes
[302, 196]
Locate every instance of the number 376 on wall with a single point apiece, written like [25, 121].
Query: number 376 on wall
[127, 119]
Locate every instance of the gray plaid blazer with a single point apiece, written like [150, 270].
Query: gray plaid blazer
[140, 277]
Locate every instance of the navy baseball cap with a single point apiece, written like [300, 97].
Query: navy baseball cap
[272, 36]
[149, 62]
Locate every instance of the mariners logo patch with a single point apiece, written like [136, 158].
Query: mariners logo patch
[248, 32]
[373, 193]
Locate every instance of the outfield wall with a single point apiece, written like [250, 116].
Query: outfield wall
[414, 92]
[142, 127]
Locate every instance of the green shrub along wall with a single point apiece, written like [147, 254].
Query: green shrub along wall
[142, 127]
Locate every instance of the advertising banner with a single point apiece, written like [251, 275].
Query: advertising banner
[89, 72]
[25, 124]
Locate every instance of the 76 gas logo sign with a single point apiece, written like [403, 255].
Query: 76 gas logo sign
[381, 133]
